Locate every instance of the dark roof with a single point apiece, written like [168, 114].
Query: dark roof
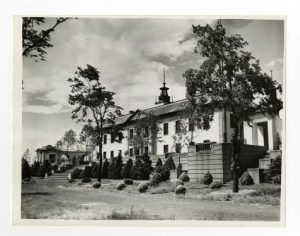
[121, 120]
[47, 148]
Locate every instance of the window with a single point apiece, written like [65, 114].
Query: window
[131, 152]
[231, 121]
[206, 141]
[112, 139]
[178, 148]
[111, 154]
[120, 137]
[120, 153]
[104, 155]
[166, 128]
[177, 126]
[191, 125]
[131, 133]
[166, 148]
[137, 151]
[146, 150]
[105, 139]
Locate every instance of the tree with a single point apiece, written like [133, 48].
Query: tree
[94, 104]
[35, 41]
[146, 129]
[88, 137]
[69, 139]
[230, 78]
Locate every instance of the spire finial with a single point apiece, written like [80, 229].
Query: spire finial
[164, 76]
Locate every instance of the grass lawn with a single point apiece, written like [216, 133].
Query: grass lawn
[62, 200]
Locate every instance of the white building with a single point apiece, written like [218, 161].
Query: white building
[263, 130]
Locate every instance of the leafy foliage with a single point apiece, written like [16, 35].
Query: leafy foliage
[26, 170]
[104, 172]
[126, 172]
[246, 179]
[229, 78]
[216, 185]
[93, 104]
[35, 41]
[207, 178]
[121, 186]
[142, 187]
[184, 177]
[180, 189]
[76, 174]
[34, 168]
[128, 181]
[142, 168]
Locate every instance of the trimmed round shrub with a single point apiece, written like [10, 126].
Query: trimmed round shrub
[121, 186]
[207, 178]
[76, 174]
[216, 185]
[96, 185]
[128, 181]
[86, 180]
[177, 183]
[180, 189]
[142, 187]
[184, 177]
[246, 179]
[276, 179]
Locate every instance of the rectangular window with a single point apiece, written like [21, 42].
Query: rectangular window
[178, 148]
[177, 126]
[112, 139]
[131, 152]
[131, 133]
[104, 155]
[166, 128]
[166, 148]
[137, 151]
[105, 139]
[231, 121]
[111, 154]
[120, 137]
[191, 125]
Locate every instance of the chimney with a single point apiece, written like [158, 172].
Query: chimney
[131, 112]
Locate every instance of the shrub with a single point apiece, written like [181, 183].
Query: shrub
[276, 179]
[136, 171]
[126, 172]
[178, 182]
[71, 180]
[207, 178]
[76, 174]
[111, 169]
[121, 186]
[184, 177]
[118, 167]
[44, 168]
[142, 168]
[104, 171]
[179, 170]
[274, 169]
[128, 181]
[26, 170]
[156, 178]
[86, 180]
[86, 173]
[55, 168]
[96, 185]
[246, 179]
[180, 189]
[142, 187]
[34, 168]
[94, 170]
[158, 164]
[216, 185]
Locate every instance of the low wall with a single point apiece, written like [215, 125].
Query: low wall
[218, 161]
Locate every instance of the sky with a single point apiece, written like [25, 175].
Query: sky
[131, 55]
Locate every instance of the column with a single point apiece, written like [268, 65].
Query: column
[271, 133]
[254, 134]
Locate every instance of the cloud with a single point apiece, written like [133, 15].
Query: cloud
[278, 62]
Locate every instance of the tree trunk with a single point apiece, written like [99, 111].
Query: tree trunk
[235, 143]
[100, 163]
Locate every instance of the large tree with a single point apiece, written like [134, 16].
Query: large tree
[145, 132]
[229, 78]
[93, 103]
[36, 38]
